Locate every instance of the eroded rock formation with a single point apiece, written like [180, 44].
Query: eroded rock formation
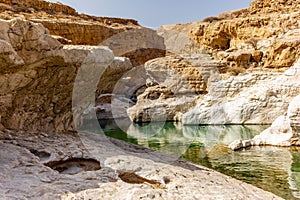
[253, 98]
[283, 132]
[38, 74]
[257, 50]
[66, 166]
[174, 84]
[69, 27]
[266, 35]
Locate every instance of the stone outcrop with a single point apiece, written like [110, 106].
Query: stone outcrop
[266, 35]
[258, 75]
[64, 21]
[43, 63]
[293, 112]
[283, 132]
[69, 27]
[174, 84]
[38, 75]
[29, 6]
[126, 171]
[253, 98]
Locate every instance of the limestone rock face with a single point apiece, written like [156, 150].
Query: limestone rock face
[112, 74]
[39, 5]
[284, 131]
[266, 35]
[140, 45]
[44, 75]
[252, 82]
[38, 76]
[294, 111]
[69, 27]
[283, 6]
[62, 20]
[174, 83]
[254, 98]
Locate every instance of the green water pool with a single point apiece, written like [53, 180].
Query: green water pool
[271, 168]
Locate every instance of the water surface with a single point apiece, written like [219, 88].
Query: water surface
[271, 168]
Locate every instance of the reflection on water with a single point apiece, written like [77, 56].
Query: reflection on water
[270, 168]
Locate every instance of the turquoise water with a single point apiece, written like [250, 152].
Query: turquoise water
[271, 168]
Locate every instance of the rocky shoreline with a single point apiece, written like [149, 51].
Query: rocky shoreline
[59, 68]
[26, 171]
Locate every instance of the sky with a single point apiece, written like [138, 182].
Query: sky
[154, 13]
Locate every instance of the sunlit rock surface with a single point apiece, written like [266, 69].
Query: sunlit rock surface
[255, 47]
[283, 132]
[66, 166]
[253, 98]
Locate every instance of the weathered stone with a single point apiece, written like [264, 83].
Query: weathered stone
[177, 80]
[139, 45]
[25, 173]
[69, 27]
[268, 23]
[294, 111]
[112, 74]
[257, 55]
[37, 81]
[253, 98]
[282, 132]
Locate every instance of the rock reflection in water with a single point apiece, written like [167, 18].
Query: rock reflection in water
[271, 168]
[176, 139]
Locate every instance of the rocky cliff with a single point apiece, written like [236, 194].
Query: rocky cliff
[70, 27]
[39, 72]
[37, 76]
[50, 83]
[266, 35]
[255, 72]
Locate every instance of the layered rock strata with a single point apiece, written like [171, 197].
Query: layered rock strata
[253, 98]
[69, 27]
[38, 74]
[266, 35]
[174, 83]
[39, 77]
[253, 84]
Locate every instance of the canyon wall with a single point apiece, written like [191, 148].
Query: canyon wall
[257, 50]
[37, 76]
[48, 49]
[237, 68]
[70, 27]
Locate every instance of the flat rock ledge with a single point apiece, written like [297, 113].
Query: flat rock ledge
[89, 166]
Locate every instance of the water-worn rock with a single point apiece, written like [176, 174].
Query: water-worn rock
[174, 83]
[293, 112]
[38, 76]
[283, 132]
[252, 98]
[41, 80]
[127, 171]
